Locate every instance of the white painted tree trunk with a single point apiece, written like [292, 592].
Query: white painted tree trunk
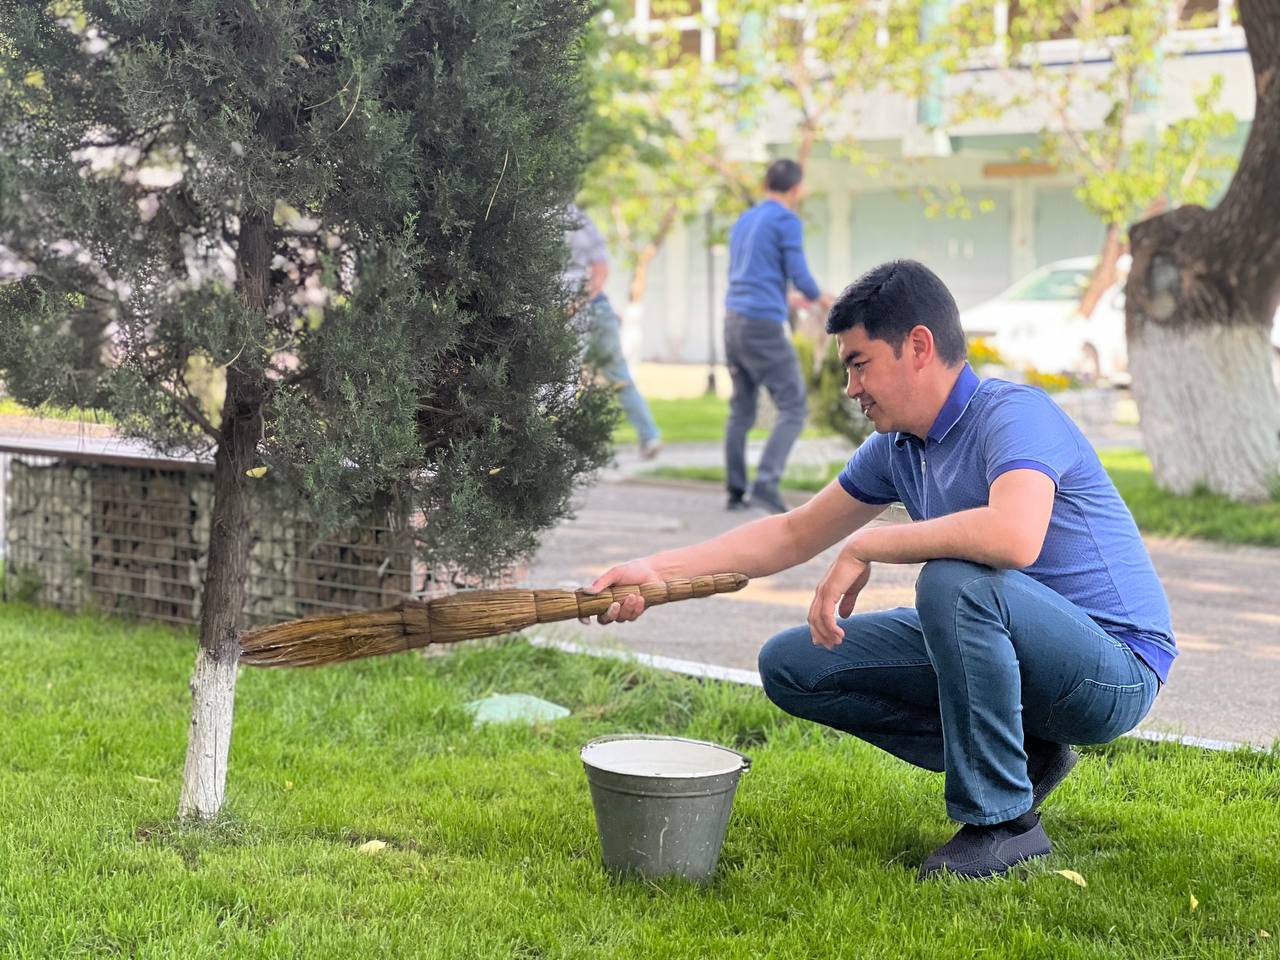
[1210, 410]
[1201, 292]
[213, 685]
[213, 700]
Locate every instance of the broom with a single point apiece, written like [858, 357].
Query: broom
[316, 641]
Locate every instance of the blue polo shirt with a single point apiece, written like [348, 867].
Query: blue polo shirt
[1092, 555]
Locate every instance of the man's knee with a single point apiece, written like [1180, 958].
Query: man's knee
[793, 411]
[777, 662]
[940, 582]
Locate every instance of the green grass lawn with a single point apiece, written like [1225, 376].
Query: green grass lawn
[690, 420]
[10, 407]
[1203, 515]
[492, 849]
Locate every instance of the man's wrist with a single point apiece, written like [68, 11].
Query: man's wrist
[857, 547]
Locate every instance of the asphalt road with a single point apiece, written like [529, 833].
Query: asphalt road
[1225, 685]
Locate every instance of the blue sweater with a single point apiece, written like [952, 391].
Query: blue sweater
[766, 250]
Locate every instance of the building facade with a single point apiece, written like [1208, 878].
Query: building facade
[1015, 215]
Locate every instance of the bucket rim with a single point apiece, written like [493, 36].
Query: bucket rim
[743, 767]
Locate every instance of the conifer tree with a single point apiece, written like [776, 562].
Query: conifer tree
[323, 240]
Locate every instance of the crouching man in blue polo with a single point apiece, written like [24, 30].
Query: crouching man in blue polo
[1039, 620]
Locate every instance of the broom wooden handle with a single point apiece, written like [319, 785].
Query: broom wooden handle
[654, 593]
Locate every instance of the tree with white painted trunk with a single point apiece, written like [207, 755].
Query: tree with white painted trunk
[1202, 290]
[323, 241]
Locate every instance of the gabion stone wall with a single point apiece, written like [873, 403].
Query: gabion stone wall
[47, 538]
[134, 540]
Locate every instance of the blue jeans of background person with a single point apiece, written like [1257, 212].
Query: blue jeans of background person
[986, 661]
[759, 354]
[603, 331]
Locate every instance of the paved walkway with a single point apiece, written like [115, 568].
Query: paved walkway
[1224, 686]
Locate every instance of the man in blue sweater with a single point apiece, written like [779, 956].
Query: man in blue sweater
[766, 253]
[1039, 620]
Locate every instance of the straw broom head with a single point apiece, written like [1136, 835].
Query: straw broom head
[316, 641]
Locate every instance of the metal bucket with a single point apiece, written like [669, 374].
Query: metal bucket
[662, 803]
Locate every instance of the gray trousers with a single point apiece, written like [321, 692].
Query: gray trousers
[759, 354]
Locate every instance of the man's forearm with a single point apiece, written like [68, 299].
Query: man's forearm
[756, 549]
[982, 535]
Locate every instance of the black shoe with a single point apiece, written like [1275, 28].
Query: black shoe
[1047, 766]
[987, 851]
[736, 503]
[769, 500]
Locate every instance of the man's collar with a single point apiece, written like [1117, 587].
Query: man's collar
[953, 408]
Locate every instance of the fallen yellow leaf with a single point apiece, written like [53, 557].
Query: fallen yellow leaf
[284, 213]
[142, 779]
[1263, 934]
[288, 784]
[35, 79]
[495, 471]
[1072, 876]
[256, 472]
[1194, 902]
[372, 846]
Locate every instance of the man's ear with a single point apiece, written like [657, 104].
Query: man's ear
[921, 346]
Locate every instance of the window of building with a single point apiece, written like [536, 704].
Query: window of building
[1199, 15]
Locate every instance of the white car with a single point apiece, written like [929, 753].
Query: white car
[1037, 323]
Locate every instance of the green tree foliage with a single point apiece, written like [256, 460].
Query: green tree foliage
[660, 136]
[821, 58]
[337, 219]
[1124, 166]
[1127, 166]
[676, 134]
[830, 407]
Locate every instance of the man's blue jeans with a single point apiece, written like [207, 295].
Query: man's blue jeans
[985, 662]
[606, 345]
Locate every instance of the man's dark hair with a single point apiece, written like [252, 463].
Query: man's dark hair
[782, 175]
[891, 299]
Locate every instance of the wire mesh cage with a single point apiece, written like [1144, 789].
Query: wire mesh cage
[90, 529]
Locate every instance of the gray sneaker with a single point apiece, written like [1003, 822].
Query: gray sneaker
[977, 852]
[769, 500]
[1047, 766]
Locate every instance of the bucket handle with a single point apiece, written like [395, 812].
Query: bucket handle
[607, 738]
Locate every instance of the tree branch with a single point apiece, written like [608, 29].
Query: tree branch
[191, 411]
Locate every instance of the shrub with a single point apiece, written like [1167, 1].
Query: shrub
[829, 406]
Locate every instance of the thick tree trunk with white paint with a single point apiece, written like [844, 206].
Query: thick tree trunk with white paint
[213, 685]
[213, 701]
[1200, 297]
[1210, 412]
